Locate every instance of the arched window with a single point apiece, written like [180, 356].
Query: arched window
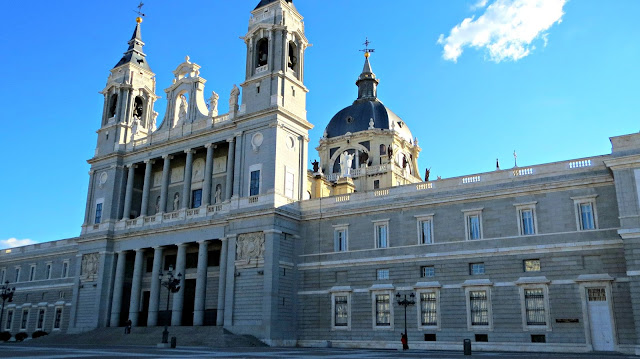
[138, 110]
[292, 61]
[262, 52]
[113, 101]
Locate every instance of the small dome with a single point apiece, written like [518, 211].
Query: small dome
[357, 117]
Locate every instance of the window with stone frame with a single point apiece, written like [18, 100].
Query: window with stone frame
[196, 198]
[428, 308]
[254, 180]
[383, 309]
[473, 224]
[289, 181]
[32, 273]
[9, 322]
[65, 269]
[3, 275]
[98, 217]
[340, 238]
[341, 310]
[527, 221]
[381, 233]
[425, 229]
[586, 213]
[47, 271]
[479, 308]
[17, 279]
[531, 265]
[41, 314]
[25, 319]
[57, 318]
[534, 307]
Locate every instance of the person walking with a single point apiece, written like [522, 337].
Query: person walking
[127, 328]
[405, 342]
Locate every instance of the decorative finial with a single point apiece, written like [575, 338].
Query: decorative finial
[186, 58]
[139, 12]
[515, 158]
[367, 51]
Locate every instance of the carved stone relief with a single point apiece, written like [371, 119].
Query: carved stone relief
[177, 174]
[220, 164]
[250, 245]
[89, 270]
[103, 179]
[157, 179]
[198, 170]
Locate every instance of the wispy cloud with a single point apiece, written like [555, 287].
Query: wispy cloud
[14, 242]
[479, 5]
[506, 29]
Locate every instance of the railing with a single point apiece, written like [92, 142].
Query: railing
[523, 171]
[214, 208]
[193, 212]
[253, 199]
[149, 219]
[381, 192]
[580, 163]
[343, 198]
[264, 15]
[470, 179]
[221, 119]
[425, 185]
[262, 69]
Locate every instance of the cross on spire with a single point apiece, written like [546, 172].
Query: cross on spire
[139, 11]
[366, 49]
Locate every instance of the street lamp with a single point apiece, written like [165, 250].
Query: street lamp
[405, 303]
[173, 286]
[6, 294]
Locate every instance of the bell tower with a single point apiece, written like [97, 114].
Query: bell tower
[128, 99]
[275, 59]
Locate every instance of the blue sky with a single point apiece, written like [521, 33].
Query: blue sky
[474, 80]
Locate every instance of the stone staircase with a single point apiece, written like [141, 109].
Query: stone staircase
[213, 337]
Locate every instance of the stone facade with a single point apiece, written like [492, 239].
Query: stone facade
[542, 258]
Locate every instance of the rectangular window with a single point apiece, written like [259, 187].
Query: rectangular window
[428, 309]
[383, 310]
[196, 198]
[57, 318]
[376, 184]
[474, 226]
[425, 228]
[382, 235]
[65, 269]
[254, 186]
[428, 271]
[32, 273]
[340, 240]
[586, 216]
[17, 274]
[25, 319]
[476, 268]
[289, 180]
[526, 218]
[531, 265]
[538, 338]
[98, 213]
[3, 274]
[9, 322]
[40, 319]
[586, 212]
[534, 306]
[341, 311]
[382, 274]
[47, 272]
[479, 308]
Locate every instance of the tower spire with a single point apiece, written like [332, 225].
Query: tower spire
[134, 53]
[367, 82]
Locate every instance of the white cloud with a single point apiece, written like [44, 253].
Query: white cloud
[14, 242]
[506, 29]
[479, 5]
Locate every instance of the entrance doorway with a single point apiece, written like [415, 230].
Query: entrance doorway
[188, 305]
[144, 314]
[600, 319]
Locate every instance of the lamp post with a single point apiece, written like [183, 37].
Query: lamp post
[405, 303]
[173, 286]
[6, 294]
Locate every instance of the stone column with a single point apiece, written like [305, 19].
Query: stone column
[154, 298]
[270, 300]
[178, 298]
[166, 168]
[186, 189]
[128, 197]
[230, 280]
[230, 162]
[222, 281]
[208, 170]
[237, 180]
[146, 187]
[116, 304]
[304, 161]
[89, 205]
[201, 284]
[134, 303]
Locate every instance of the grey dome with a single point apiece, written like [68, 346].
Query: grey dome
[356, 118]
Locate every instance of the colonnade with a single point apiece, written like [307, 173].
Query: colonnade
[178, 297]
[186, 190]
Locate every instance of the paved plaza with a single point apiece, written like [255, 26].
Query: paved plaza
[26, 351]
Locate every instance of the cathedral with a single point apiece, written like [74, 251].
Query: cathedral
[262, 242]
